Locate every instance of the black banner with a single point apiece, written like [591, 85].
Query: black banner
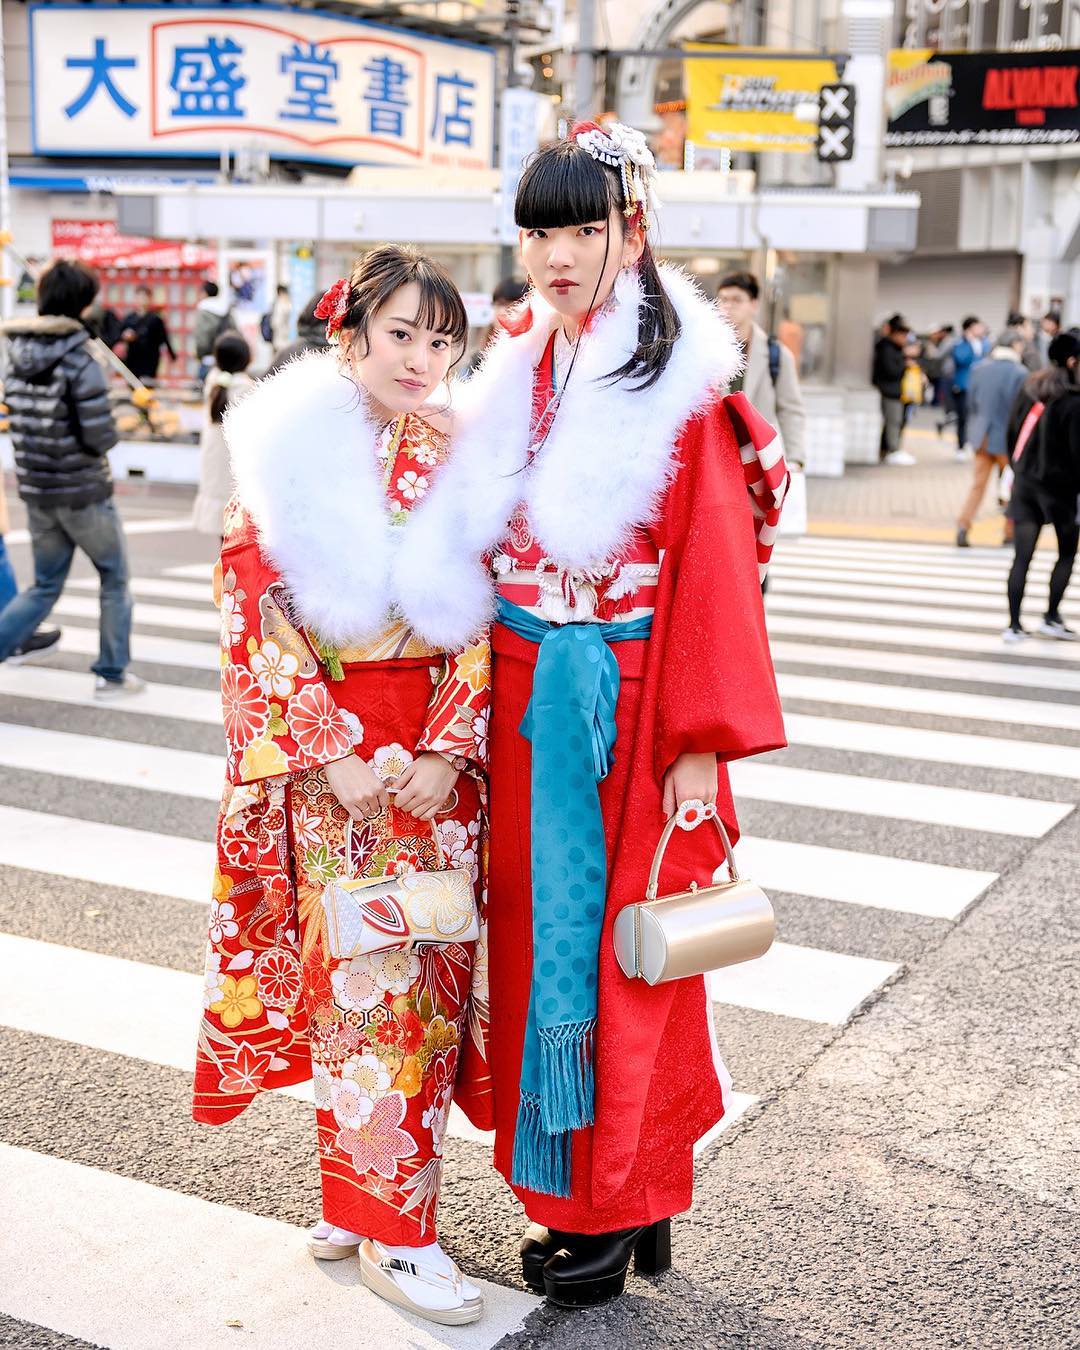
[982, 98]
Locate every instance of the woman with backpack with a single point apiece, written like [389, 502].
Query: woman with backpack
[1044, 431]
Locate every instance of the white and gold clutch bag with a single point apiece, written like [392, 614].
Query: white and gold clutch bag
[377, 914]
[697, 930]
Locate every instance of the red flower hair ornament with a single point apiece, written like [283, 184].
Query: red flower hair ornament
[333, 307]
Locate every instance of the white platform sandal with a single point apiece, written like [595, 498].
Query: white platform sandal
[448, 1299]
[327, 1243]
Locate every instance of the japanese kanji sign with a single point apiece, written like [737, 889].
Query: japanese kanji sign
[192, 80]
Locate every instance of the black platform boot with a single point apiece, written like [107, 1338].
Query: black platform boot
[538, 1244]
[592, 1268]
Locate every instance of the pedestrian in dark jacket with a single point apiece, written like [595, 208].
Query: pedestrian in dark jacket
[310, 337]
[62, 427]
[145, 334]
[889, 365]
[1044, 433]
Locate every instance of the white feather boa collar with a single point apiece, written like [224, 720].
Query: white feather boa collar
[611, 453]
[303, 450]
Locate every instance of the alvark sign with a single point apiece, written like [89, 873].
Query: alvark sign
[982, 98]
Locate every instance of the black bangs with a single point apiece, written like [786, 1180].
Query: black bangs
[563, 185]
[441, 306]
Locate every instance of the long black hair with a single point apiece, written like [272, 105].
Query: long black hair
[377, 275]
[231, 355]
[563, 185]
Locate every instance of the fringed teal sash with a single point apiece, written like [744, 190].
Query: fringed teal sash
[570, 721]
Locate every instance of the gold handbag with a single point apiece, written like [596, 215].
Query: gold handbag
[698, 930]
[377, 914]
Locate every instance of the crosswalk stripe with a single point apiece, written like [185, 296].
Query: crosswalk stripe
[156, 525]
[931, 667]
[853, 590]
[106, 855]
[165, 651]
[156, 1265]
[947, 554]
[880, 609]
[995, 813]
[156, 588]
[72, 687]
[867, 879]
[900, 635]
[160, 616]
[885, 574]
[122, 763]
[803, 982]
[935, 702]
[192, 571]
[939, 747]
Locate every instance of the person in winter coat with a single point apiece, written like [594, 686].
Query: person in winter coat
[62, 429]
[1044, 434]
[771, 379]
[993, 386]
[213, 316]
[971, 348]
[310, 337]
[889, 364]
[227, 381]
[145, 334]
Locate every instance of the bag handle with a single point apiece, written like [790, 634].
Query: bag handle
[689, 816]
[439, 854]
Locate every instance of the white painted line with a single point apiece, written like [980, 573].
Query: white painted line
[160, 616]
[163, 651]
[868, 879]
[890, 574]
[156, 1266]
[921, 614]
[73, 687]
[873, 590]
[899, 635]
[938, 747]
[192, 571]
[123, 763]
[803, 982]
[992, 812]
[900, 550]
[106, 855]
[157, 588]
[153, 526]
[932, 667]
[936, 702]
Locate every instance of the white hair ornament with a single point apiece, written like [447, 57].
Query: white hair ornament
[625, 148]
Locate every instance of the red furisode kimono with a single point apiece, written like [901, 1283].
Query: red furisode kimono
[386, 1038]
[637, 502]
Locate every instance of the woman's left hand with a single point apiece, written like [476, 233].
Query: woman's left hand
[690, 778]
[424, 785]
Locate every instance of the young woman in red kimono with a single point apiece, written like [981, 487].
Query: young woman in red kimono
[355, 693]
[629, 613]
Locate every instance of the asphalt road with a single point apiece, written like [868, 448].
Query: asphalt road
[903, 1167]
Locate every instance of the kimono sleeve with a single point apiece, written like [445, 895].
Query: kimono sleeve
[278, 712]
[457, 716]
[716, 686]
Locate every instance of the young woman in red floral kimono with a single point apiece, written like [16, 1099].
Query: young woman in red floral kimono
[630, 663]
[355, 692]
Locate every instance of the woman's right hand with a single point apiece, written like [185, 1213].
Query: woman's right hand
[358, 788]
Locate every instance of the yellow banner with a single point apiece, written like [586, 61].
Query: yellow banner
[748, 103]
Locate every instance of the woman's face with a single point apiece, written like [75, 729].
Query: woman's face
[401, 363]
[565, 262]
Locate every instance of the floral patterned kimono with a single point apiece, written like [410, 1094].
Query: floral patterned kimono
[308, 677]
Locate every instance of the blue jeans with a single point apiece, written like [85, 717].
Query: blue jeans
[8, 588]
[55, 533]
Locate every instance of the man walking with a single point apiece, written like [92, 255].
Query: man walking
[971, 348]
[992, 389]
[771, 379]
[889, 365]
[145, 334]
[62, 429]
